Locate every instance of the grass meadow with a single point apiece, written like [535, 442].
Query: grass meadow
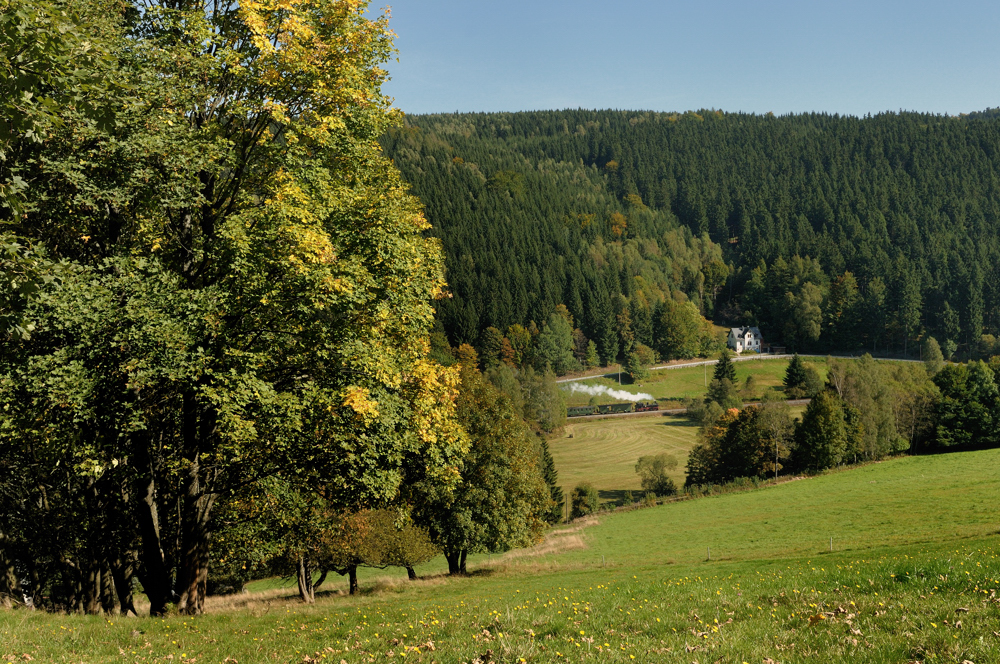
[690, 382]
[912, 577]
[604, 452]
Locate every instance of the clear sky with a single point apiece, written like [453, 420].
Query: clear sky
[839, 56]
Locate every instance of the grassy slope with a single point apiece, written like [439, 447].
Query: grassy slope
[689, 382]
[919, 534]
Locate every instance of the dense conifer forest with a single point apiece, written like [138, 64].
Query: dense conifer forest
[829, 232]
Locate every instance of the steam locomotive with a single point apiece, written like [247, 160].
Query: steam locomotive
[612, 408]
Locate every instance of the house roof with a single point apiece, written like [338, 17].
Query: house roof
[740, 331]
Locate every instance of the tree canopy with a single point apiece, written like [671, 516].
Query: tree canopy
[249, 293]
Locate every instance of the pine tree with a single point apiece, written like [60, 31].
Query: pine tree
[725, 368]
[552, 481]
[795, 374]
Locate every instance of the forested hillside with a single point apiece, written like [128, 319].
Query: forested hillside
[831, 233]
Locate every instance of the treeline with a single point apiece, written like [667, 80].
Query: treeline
[672, 330]
[828, 232]
[216, 316]
[504, 496]
[867, 410]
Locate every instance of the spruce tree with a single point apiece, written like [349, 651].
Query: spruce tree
[795, 374]
[552, 481]
[725, 368]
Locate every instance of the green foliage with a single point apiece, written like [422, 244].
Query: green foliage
[592, 358]
[741, 443]
[889, 399]
[678, 330]
[555, 346]
[813, 383]
[638, 361]
[733, 212]
[391, 540]
[795, 375]
[969, 406]
[491, 347]
[583, 500]
[704, 411]
[49, 60]
[724, 393]
[502, 498]
[249, 295]
[821, 436]
[653, 472]
[544, 402]
[724, 368]
[551, 477]
[933, 358]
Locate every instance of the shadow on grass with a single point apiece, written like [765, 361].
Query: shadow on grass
[617, 495]
[681, 422]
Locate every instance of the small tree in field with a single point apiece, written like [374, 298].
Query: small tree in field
[653, 472]
[724, 368]
[795, 377]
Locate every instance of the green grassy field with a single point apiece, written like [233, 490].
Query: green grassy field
[913, 578]
[604, 452]
[675, 385]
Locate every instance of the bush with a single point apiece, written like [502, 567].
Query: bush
[584, 500]
[814, 383]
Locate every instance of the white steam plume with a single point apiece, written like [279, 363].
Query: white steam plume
[621, 395]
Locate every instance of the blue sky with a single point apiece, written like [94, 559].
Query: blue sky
[840, 57]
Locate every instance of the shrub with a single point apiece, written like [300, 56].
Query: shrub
[584, 500]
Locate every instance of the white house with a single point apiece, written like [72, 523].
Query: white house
[744, 339]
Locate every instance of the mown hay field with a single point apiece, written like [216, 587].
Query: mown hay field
[604, 452]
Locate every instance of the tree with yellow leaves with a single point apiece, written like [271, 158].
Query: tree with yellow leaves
[250, 295]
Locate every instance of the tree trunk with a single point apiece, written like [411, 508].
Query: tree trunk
[452, 557]
[319, 582]
[198, 429]
[107, 588]
[307, 592]
[461, 564]
[193, 568]
[9, 587]
[153, 572]
[122, 571]
[410, 573]
[352, 572]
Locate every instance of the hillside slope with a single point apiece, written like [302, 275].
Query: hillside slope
[578, 207]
